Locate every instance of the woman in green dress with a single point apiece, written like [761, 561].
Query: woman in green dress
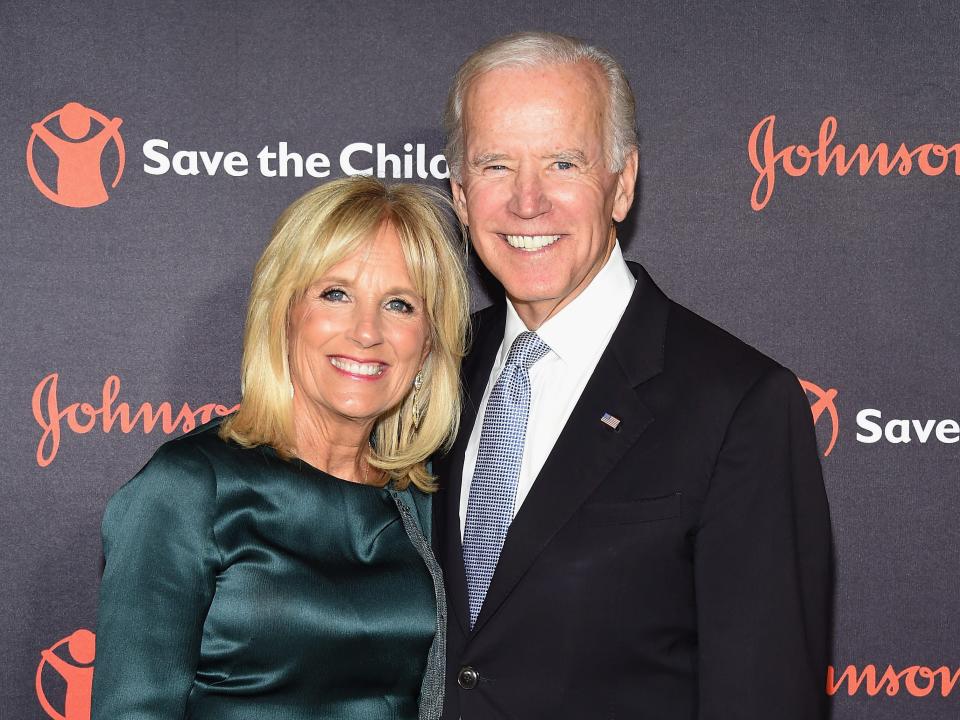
[277, 565]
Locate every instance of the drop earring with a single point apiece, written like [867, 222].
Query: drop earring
[415, 409]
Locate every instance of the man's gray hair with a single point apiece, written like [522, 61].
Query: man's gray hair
[536, 49]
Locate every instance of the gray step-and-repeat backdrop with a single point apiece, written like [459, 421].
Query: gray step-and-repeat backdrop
[799, 169]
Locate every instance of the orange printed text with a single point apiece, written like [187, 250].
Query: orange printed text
[797, 160]
[915, 680]
[106, 414]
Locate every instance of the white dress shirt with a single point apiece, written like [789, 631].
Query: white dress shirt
[577, 336]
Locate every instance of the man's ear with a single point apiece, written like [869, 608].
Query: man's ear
[626, 184]
[459, 201]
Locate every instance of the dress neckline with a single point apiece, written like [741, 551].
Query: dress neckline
[314, 470]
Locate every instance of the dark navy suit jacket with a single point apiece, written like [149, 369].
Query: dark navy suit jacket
[676, 568]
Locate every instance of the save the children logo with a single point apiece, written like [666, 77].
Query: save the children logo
[873, 428]
[822, 405]
[76, 156]
[64, 682]
[77, 137]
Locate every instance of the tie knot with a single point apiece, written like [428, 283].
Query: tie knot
[527, 348]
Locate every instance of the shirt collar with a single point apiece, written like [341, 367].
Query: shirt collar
[574, 333]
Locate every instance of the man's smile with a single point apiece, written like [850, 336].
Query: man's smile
[531, 243]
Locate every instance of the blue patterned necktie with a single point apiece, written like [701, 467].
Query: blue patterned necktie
[494, 486]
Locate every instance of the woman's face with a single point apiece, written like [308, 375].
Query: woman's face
[358, 336]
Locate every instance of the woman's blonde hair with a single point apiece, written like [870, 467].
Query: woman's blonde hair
[317, 231]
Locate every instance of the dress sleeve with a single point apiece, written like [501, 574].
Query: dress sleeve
[763, 564]
[158, 581]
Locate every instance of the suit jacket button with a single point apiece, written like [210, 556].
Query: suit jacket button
[468, 678]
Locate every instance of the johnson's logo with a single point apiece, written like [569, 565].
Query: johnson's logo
[70, 143]
[797, 160]
[106, 414]
[822, 405]
[64, 681]
[915, 680]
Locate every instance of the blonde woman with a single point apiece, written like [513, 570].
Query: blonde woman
[278, 565]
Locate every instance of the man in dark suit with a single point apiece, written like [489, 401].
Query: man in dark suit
[632, 521]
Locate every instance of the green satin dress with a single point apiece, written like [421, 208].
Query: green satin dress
[240, 586]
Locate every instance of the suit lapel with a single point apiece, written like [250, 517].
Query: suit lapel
[487, 335]
[587, 449]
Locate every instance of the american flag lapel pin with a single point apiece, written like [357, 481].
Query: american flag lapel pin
[610, 420]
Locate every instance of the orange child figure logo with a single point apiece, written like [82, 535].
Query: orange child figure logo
[79, 177]
[824, 401]
[77, 671]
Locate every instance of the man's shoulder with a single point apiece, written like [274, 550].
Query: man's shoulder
[706, 356]
[694, 335]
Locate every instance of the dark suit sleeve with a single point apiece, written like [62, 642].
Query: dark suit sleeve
[158, 583]
[763, 564]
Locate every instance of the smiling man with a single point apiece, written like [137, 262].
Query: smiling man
[632, 523]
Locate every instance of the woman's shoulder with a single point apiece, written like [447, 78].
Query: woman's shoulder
[182, 471]
[163, 521]
[196, 452]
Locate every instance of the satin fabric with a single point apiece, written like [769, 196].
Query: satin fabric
[238, 585]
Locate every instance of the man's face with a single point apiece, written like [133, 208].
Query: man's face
[535, 192]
